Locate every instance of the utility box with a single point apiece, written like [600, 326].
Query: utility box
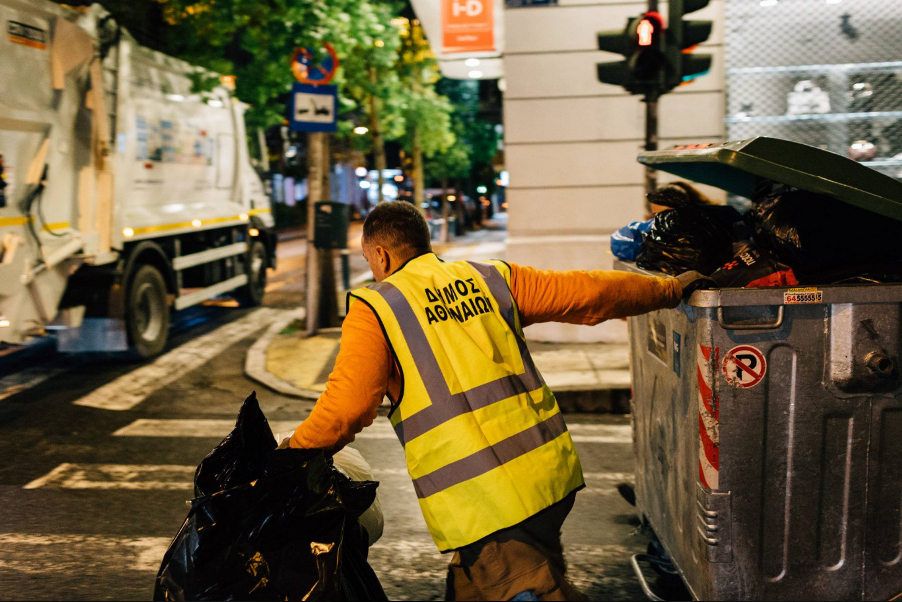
[768, 422]
[330, 230]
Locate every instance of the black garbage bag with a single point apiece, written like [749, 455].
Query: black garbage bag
[270, 524]
[694, 235]
[825, 240]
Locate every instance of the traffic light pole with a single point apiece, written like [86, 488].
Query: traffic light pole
[651, 142]
[651, 129]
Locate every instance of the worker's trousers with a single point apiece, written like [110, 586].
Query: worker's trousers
[528, 557]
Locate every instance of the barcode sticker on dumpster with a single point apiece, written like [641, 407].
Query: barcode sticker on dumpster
[802, 296]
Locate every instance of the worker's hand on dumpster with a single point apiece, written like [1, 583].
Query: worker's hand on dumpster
[694, 281]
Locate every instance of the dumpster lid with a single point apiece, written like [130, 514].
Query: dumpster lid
[738, 167]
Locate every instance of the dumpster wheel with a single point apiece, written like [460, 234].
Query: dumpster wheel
[668, 575]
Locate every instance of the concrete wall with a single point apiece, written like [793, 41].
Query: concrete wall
[571, 142]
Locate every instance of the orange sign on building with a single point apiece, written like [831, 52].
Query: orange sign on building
[468, 26]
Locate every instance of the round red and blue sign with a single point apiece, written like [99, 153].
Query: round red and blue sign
[308, 70]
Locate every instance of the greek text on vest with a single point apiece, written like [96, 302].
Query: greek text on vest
[460, 300]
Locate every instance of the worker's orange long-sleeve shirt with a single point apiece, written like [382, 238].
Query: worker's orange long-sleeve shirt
[365, 371]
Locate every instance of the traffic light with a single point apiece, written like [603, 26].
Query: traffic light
[682, 37]
[642, 44]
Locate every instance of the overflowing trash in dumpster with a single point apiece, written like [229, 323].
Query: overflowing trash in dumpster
[788, 237]
[270, 524]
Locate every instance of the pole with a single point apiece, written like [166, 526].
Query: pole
[315, 164]
[346, 269]
[651, 142]
[651, 130]
[328, 295]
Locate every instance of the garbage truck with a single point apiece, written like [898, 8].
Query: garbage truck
[126, 186]
[768, 421]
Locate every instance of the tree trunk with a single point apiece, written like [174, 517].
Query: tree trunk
[419, 178]
[446, 212]
[328, 294]
[316, 164]
[376, 134]
[463, 222]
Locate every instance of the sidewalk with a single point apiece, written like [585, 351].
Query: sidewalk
[584, 377]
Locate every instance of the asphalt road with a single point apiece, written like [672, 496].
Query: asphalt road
[97, 456]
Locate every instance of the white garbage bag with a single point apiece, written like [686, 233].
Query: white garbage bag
[351, 464]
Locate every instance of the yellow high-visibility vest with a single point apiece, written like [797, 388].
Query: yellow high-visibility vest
[484, 438]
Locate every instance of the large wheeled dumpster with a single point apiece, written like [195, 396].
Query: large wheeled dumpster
[768, 422]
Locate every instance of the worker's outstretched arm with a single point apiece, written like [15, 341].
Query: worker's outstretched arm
[356, 386]
[580, 297]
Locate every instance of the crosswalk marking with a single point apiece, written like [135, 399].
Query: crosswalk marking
[217, 429]
[485, 250]
[601, 433]
[41, 554]
[26, 379]
[168, 477]
[136, 477]
[381, 429]
[129, 390]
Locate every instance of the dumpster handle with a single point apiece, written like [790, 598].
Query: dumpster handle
[765, 326]
[642, 582]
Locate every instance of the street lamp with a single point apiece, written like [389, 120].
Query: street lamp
[361, 130]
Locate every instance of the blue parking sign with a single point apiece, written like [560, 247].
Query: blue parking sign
[314, 108]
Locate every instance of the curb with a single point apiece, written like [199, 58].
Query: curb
[255, 360]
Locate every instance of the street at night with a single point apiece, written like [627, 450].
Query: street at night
[451, 300]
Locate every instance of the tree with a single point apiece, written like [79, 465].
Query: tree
[371, 80]
[427, 114]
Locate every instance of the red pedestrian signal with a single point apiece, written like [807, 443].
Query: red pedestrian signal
[646, 31]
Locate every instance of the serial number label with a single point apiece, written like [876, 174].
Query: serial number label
[792, 298]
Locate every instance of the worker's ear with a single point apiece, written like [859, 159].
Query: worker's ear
[384, 259]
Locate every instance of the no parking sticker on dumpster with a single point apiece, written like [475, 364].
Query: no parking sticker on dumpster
[744, 367]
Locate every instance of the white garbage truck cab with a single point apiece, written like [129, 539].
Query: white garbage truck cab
[126, 192]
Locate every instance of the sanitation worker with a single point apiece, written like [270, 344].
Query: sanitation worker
[493, 465]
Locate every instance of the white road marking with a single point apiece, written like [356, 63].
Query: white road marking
[601, 433]
[138, 477]
[130, 389]
[485, 250]
[26, 379]
[390, 472]
[358, 280]
[217, 429]
[41, 554]
[609, 477]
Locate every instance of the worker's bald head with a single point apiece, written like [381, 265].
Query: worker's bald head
[399, 227]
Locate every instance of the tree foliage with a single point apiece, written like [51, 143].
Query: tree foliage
[386, 60]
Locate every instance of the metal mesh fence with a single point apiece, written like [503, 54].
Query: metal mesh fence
[822, 72]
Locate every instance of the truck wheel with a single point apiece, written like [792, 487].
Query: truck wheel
[147, 312]
[251, 295]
